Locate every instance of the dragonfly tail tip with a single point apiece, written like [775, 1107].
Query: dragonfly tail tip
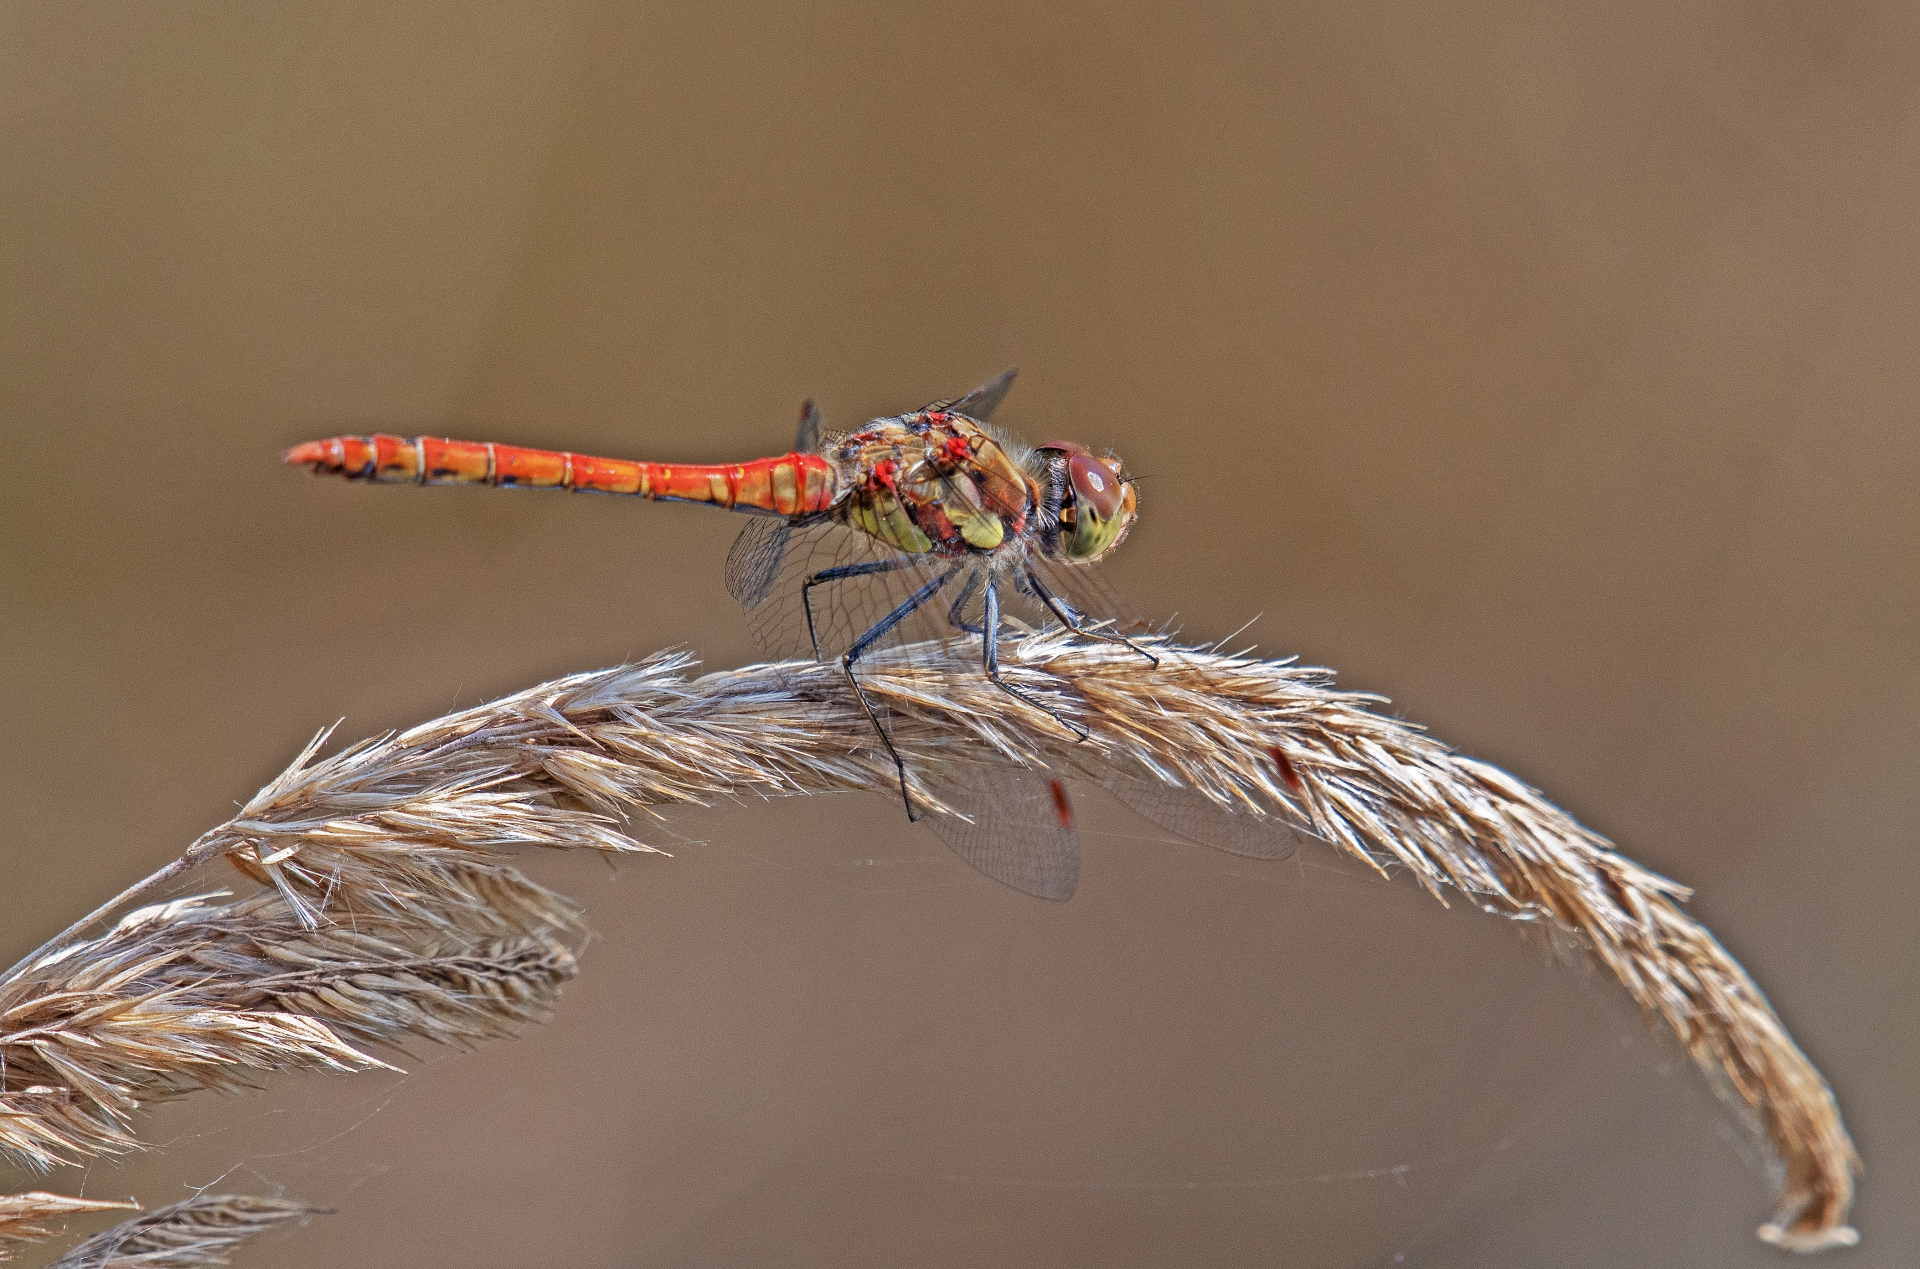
[309, 454]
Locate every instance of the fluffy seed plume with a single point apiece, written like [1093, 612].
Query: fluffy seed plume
[21, 1214]
[200, 1231]
[200, 993]
[381, 828]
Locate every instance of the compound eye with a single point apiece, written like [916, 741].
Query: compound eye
[1095, 483]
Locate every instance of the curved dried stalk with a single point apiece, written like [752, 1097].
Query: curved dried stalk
[202, 994]
[21, 1214]
[381, 827]
[188, 1235]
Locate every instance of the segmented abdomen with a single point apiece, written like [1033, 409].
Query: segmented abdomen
[792, 484]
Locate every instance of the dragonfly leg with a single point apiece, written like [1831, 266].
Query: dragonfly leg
[873, 636]
[1076, 623]
[841, 574]
[960, 603]
[989, 633]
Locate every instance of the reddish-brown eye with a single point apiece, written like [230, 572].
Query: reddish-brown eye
[1095, 482]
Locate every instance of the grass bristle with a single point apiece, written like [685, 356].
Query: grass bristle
[384, 912]
[22, 1216]
[187, 1235]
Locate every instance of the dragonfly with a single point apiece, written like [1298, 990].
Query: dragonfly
[931, 525]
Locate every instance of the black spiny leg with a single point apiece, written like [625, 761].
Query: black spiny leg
[841, 574]
[873, 636]
[960, 603]
[1074, 622]
[989, 632]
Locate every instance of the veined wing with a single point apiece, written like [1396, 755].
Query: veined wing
[1194, 817]
[983, 400]
[806, 437]
[1084, 589]
[772, 564]
[1021, 832]
[755, 560]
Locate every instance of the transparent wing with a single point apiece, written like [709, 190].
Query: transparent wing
[1022, 832]
[1197, 818]
[1087, 593]
[806, 438]
[983, 400]
[772, 562]
[753, 564]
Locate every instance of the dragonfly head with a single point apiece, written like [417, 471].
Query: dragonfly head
[1094, 497]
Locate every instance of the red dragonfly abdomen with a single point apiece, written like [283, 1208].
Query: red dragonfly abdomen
[790, 485]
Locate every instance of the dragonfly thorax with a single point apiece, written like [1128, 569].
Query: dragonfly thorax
[941, 483]
[934, 483]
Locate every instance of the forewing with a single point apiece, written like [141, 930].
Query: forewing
[983, 400]
[1197, 818]
[1021, 833]
[806, 438]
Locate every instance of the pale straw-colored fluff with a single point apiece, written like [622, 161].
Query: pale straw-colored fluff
[197, 1232]
[21, 1216]
[408, 829]
[205, 993]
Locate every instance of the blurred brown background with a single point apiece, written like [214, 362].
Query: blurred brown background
[1551, 372]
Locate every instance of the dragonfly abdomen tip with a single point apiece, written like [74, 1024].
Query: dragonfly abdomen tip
[305, 454]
